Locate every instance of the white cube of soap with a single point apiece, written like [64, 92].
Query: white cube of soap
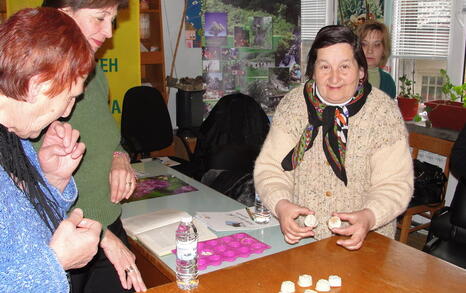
[335, 281]
[334, 222]
[305, 281]
[310, 221]
[309, 291]
[287, 287]
[323, 285]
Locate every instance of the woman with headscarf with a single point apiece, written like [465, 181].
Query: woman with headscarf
[336, 147]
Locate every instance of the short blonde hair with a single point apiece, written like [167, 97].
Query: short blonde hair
[372, 25]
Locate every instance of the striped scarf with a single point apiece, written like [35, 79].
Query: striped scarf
[334, 121]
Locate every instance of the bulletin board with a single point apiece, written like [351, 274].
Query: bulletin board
[253, 47]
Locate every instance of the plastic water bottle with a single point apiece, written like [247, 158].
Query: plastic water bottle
[261, 213]
[186, 254]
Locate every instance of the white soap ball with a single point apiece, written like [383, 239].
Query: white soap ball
[309, 291]
[310, 221]
[323, 285]
[334, 280]
[305, 281]
[334, 222]
[287, 287]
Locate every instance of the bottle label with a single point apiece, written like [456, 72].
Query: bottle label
[186, 250]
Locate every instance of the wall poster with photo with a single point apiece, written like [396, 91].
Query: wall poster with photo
[193, 23]
[353, 13]
[257, 46]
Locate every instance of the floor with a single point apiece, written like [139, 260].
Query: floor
[415, 239]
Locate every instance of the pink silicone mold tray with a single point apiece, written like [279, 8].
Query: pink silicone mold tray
[228, 248]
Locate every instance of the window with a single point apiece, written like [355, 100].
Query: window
[421, 28]
[315, 14]
[431, 87]
[420, 40]
[313, 17]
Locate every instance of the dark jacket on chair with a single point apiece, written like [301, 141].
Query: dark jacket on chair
[229, 140]
[447, 233]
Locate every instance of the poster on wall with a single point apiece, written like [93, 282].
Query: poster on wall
[193, 24]
[252, 47]
[216, 29]
[261, 32]
[352, 13]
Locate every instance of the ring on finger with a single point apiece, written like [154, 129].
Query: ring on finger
[130, 269]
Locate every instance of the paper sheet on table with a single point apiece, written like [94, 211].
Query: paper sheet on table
[236, 220]
[168, 162]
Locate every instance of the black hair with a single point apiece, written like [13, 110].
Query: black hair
[331, 35]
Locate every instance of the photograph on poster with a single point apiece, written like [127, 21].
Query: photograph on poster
[210, 66]
[216, 24]
[210, 53]
[241, 36]
[214, 79]
[229, 81]
[216, 28]
[280, 78]
[261, 32]
[354, 13]
[230, 53]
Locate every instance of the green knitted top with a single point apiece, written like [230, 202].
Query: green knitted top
[99, 131]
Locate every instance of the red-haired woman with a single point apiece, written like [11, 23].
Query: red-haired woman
[41, 73]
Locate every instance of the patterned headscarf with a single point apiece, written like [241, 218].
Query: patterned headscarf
[334, 121]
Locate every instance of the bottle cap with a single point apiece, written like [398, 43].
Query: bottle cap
[187, 219]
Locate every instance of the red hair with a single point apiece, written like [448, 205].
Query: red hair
[44, 42]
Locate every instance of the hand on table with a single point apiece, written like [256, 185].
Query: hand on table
[121, 178]
[75, 240]
[287, 212]
[361, 223]
[124, 262]
[60, 153]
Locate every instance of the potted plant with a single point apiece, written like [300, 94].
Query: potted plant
[450, 113]
[408, 101]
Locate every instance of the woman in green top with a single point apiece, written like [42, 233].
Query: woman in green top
[375, 41]
[103, 179]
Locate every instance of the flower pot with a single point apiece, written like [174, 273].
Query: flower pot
[408, 107]
[446, 114]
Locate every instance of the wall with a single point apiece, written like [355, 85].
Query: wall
[188, 60]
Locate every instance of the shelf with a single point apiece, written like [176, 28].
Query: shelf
[151, 58]
[153, 62]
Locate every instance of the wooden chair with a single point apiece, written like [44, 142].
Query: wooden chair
[434, 145]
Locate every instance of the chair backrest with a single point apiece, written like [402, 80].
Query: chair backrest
[236, 125]
[434, 145]
[145, 121]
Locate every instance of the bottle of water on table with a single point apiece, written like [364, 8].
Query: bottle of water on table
[261, 213]
[186, 254]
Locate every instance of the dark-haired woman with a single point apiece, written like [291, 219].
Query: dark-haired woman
[337, 147]
[105, 176]
[41, 73]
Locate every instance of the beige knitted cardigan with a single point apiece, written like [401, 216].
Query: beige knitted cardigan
[378, 164]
